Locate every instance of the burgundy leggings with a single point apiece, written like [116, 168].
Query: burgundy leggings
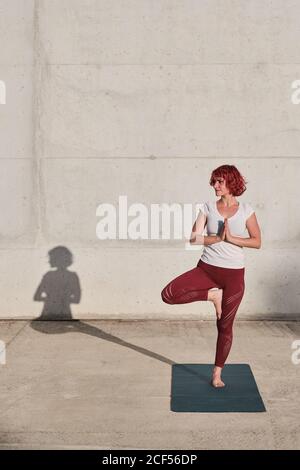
[194, 285]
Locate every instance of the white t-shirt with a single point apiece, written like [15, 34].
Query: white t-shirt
[225, 254]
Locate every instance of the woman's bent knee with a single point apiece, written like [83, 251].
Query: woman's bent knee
[166, 295]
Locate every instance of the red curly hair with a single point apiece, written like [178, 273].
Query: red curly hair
[235, 182]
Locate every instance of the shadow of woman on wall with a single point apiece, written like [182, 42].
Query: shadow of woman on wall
[58, 289]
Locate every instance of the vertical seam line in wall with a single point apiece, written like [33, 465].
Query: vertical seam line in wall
[36, 130]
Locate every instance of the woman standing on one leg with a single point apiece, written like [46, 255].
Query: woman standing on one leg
[219, 274]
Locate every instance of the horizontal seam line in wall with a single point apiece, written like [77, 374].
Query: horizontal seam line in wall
[153, 158]
[196, 64]
[163, 64]
[166, 158]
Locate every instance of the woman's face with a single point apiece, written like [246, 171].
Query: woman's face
[219, 185]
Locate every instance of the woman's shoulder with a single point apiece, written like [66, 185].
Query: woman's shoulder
[248, 208]
[207, 207]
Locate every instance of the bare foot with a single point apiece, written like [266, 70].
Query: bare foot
[216, 297]
[216, 378]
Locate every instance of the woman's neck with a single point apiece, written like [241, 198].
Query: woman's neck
[228, 200]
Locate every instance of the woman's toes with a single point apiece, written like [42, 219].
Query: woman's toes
[215, 295]
[216, 379]
[218, 303]
[217, 383]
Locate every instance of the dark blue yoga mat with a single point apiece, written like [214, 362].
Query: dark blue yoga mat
[191, 390]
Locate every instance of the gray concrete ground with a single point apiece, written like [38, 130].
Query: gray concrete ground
[107, 384]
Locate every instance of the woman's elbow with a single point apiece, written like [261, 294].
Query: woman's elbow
[258, 244]
[197, 240]
[192, 239]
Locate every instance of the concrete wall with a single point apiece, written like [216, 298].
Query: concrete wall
[145, 98]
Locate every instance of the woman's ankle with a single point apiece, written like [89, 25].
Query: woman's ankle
[217, 370]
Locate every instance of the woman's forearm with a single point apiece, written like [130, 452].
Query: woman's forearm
[204, 239]
[250, 242]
